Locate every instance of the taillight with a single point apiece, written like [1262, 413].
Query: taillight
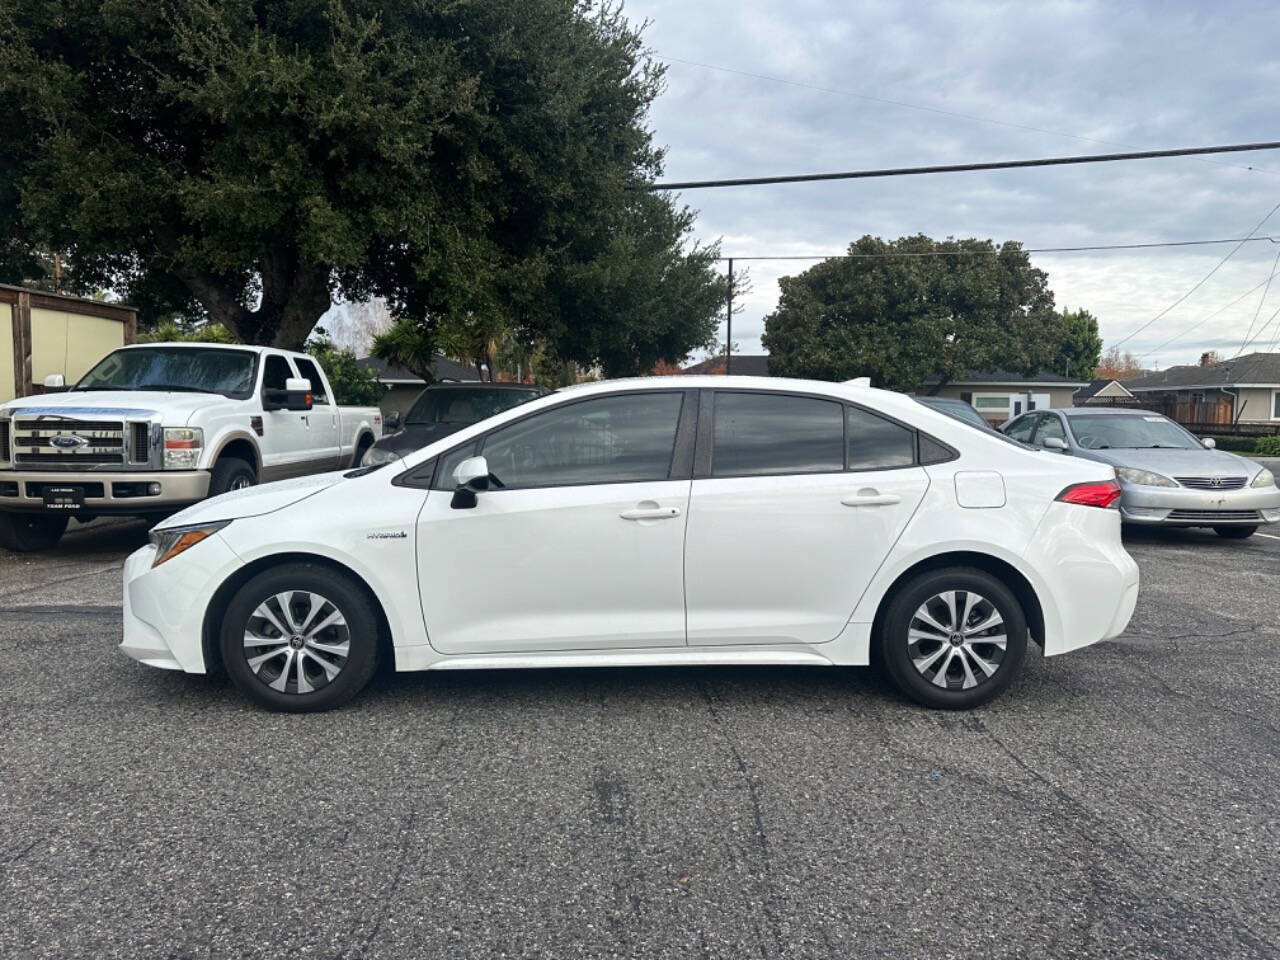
[1100, 493]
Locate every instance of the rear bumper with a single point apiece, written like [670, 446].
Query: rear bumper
[107, 493]
[1178, 506]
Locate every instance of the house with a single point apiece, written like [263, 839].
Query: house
[1244, 390]
[49, 333]
[1000, 394]
[1104, 392]
[744, 365]
[404, 385]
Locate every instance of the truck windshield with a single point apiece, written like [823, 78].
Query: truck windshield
[184, 369]
[465, 404]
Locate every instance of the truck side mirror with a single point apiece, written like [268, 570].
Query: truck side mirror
[392, 420]
[471, 477]
[55, 382]
[296, 395]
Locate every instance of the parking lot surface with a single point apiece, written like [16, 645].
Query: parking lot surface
[1118, 801]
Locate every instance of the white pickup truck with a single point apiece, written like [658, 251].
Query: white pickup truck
[156, 427]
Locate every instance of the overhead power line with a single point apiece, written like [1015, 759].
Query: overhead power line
[1203, 320]
[964, 167]
[1202, 281]
[925, 109]
[1261, 300]
[995, 251]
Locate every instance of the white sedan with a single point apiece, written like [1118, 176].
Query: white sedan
[677, 520]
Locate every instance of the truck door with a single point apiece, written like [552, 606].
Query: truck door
[286, 442]
[322, 421]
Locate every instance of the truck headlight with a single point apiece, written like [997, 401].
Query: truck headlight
[1265, 478]
[182, 447]
[1143, 478]
[375, 455]
[175, 540]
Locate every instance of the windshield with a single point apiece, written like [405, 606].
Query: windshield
[184, 369]
[1137, 432]
[465, 404]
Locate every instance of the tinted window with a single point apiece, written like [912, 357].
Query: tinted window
[933, 452]
[465, 404]
[1050, 427]
[613, 439]
[876, 443]
[758, 434]
[308, 370]
[276, 372]
[1021, 429]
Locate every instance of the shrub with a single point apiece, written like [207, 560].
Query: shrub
[1267, 446]
[1235, 444]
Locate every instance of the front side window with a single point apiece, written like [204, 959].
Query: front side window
[1021, 429]
[276, 373]
[449, 463]
[1050, 426]
[181, 369]
[876, 443]
[760, 434]
[621, 438]
[308, 371]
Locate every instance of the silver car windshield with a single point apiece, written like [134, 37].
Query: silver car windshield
[1137, 432]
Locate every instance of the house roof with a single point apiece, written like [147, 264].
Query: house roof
[744, 365]
[442, 367]
[985, 378]
[1253, 369]
[1097, 386]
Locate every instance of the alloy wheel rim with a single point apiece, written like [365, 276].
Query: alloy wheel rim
[956, 640]
[241, 483]
[297, 642]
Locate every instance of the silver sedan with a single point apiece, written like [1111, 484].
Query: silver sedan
[1167, 475]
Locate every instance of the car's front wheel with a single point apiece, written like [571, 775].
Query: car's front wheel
[953, 638]
[1235, 533]
[299, 638]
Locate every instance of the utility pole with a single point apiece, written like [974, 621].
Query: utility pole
[728, 335]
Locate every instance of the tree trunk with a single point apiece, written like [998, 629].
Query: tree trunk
[293, 300]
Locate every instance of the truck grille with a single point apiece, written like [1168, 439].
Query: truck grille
[140, 451]
[1213, 483]
[1213, 516]
[4, 441]
[97, 443]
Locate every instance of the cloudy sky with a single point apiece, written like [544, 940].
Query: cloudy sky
[1137, 76]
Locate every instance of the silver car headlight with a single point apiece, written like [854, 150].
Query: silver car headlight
[1265, 478]
[375, 455]
[1143, 478]
[172, 541]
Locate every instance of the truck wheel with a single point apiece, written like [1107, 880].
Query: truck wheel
[27, 533]
[365, 443]
[231, 473]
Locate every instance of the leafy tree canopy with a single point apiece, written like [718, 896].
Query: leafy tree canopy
[898, 312]
[247, 162]
[352, 384]
[1081, 348]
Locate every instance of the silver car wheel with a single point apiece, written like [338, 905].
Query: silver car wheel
[956, 639]
[297, 642]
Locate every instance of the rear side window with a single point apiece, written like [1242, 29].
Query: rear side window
[276, 372]
[308, 370]
[761, 434]
[876, 443]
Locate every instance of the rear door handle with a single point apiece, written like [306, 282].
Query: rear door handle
[870, 499]
[650, 513]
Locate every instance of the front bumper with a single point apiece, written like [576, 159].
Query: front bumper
[123, 493]
[1180, 506]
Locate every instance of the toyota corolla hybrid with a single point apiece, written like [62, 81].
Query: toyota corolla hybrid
[698, 520]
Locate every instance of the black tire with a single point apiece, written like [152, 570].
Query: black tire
[365, 443]
[1235, 533]
[231, 473]
[361, 631]
[29, 532]
[899, 657]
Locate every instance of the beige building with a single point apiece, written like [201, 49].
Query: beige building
[1243, 390]
[51, 333]
[999, 395]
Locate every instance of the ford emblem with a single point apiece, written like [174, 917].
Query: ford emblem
[66, 441]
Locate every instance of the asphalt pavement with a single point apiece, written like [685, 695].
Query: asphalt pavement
[1119, 801]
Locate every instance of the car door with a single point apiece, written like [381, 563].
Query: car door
[321, 420]
[796, 502]
[285, 440]
[578, 544]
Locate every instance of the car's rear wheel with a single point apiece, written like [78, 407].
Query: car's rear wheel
[300, 638]
[953, 638]
[1235, 533]
[29, 532]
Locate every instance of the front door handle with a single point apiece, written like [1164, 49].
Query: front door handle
[870, 498]
[650, 512]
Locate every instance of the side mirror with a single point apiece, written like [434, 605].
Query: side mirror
[1054, 443]
[471, 477]
[54, 382]
[391, 421]
[296, 395]
[1209, 442]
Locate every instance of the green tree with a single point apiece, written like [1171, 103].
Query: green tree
[246, 162]
[409, 345]
[901, 311]
[1081, 349]
[351, 383]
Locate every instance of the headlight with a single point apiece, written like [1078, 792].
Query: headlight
[377, 454]
[1264, 479]
[182, 447]
[1143, 478]
[172, 541]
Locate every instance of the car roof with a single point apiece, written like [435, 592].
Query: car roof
[474, 384]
